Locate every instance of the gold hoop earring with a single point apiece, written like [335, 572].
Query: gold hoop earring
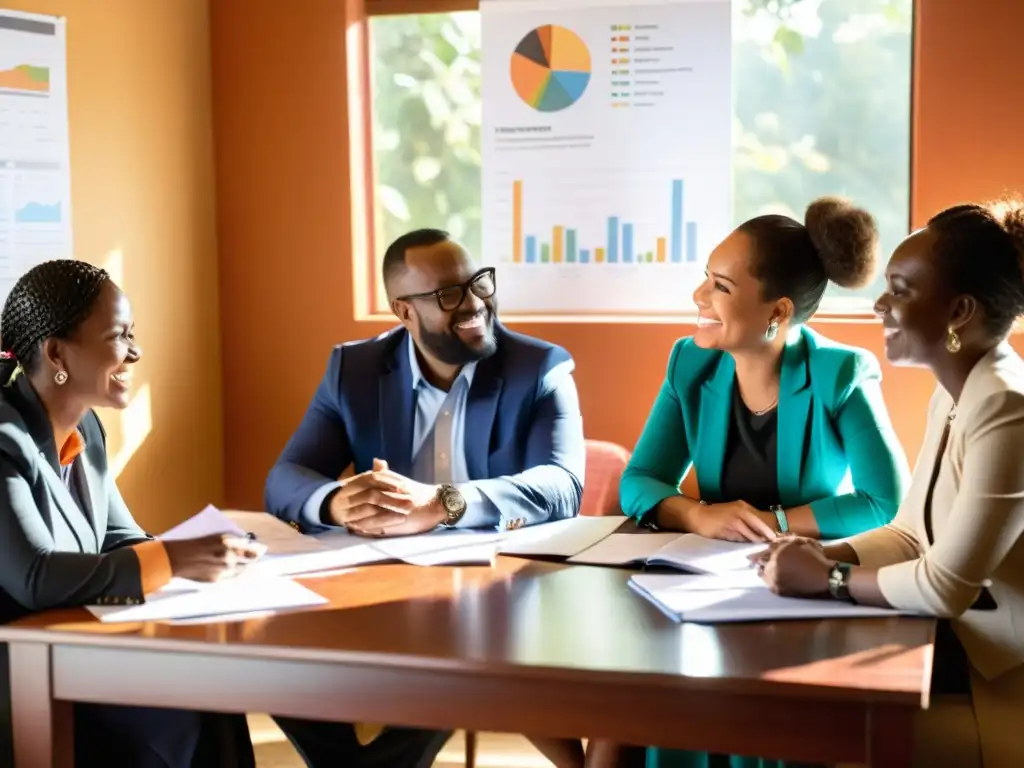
[953, 341]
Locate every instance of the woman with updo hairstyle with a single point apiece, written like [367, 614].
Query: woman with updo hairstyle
[786, 430]
[956, 547]
[66, 537]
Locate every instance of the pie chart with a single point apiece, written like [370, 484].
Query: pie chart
[550, 68]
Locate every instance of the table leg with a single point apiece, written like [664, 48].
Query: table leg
[42, 726]
[890, 737]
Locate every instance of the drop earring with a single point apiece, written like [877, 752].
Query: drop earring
[772, 331]
[952, 341]
[60, 378]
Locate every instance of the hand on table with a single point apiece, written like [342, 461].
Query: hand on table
[422, 510]
[794, 566]
[733, 521]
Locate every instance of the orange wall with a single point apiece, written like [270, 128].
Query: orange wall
[283, 176]
[142, 187]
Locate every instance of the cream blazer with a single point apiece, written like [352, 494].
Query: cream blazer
[977, 513]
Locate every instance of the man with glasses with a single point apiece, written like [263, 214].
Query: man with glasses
[449, 420]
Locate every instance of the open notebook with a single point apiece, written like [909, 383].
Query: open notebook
[682, 551]
[737, 596]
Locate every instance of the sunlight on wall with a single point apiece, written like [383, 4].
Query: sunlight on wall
[114, 264]
[136, 422]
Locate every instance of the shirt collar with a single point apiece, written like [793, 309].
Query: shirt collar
[417, 373]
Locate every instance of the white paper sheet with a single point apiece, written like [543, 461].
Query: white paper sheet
[444, 547]
[562, 538]
[244, 594]
[675, 596]
[623, 549]
[208, 522]
[690, 552]
[279, 537]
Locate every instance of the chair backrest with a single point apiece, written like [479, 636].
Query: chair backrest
[605, 463]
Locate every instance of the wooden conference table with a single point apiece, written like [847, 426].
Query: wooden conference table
[522, 647]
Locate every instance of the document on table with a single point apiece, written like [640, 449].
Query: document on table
[279, 537]
[561, 538]
[623, 549]
[342, 549]
[682, 551]
[207, 522]
[735, 597]
[182, 599]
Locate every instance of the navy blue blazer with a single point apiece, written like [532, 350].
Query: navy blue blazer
[523, 431]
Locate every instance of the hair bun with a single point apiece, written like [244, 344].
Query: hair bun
[1010, 213]
[846, 239]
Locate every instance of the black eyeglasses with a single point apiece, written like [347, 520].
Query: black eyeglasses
[450, 298]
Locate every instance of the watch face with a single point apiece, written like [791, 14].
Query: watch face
[453, 501]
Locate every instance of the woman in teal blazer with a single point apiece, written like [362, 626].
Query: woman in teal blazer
[786, 430]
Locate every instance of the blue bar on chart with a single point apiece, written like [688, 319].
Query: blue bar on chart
[570, 245]
[584, 255]
[691, 241]
[613, 239]
[627, 243]
[531, 249]
[677, 221]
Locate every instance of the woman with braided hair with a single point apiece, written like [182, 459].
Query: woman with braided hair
[66, 536]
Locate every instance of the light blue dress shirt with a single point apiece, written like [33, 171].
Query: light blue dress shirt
[438, 440]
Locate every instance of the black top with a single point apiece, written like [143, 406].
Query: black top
[750, 468]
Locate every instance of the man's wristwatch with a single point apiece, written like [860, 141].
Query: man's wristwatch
[453, 502]
[839, 581]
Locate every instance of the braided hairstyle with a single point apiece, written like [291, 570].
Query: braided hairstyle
[51, 299]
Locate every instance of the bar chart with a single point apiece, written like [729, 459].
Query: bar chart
[562, 244]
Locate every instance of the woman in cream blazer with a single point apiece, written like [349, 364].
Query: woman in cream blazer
[955, 549]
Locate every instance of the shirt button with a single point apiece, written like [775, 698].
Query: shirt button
[447, 414]
[444, 457]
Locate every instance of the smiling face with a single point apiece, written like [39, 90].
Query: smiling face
[916, 309]
[448, 305]
[98, 355]
[733, 315]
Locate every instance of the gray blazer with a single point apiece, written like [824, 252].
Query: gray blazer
[53, 551]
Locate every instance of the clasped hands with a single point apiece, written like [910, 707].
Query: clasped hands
[381, 502]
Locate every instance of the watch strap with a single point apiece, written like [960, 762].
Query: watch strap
[780, 517]
[839, 581]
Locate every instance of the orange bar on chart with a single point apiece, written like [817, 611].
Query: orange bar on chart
[599, 255]
[661, 249]
[556, 245]
[517, 222]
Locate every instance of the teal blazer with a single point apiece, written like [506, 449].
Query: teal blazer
[837, 450]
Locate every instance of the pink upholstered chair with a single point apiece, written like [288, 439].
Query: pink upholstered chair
[605, 463]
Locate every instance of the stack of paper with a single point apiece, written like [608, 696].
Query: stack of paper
[683, 551]
[737, 596]
[562, 538]
[183, 599]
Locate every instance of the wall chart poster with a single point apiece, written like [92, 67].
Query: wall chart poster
[607, 146]
[35, 178]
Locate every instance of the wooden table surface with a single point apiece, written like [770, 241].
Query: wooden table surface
[522, 646]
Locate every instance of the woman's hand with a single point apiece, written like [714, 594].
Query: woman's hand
[732, 521]
[211, 558]
[795, 566]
